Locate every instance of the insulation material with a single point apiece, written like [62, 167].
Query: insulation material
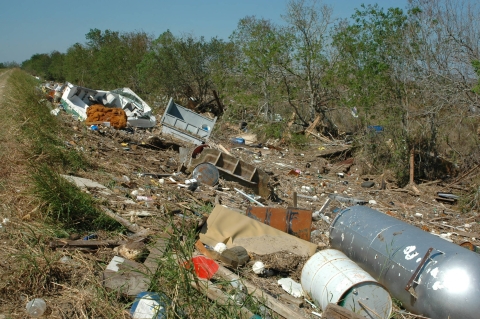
[100, 113]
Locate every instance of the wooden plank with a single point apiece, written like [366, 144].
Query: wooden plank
[333, 311]
[270, 302]
[297, 302]
[312, 126]
[93, 244]
[156, 252]
[130, 279]
[217, 295]
[333, 151]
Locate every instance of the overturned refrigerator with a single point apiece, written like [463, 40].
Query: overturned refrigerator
[77, 99]
[428, 275]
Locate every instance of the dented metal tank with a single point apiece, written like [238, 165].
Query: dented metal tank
[330, 277]
[428, 275]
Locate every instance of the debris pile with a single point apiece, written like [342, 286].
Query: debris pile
[304, 233]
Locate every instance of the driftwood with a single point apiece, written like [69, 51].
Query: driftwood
[138, 230]
[270, 302]
[216, 294]
[89, 244]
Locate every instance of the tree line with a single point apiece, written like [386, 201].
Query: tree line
[412, 71]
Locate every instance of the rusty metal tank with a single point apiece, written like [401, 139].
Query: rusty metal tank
[427, 274]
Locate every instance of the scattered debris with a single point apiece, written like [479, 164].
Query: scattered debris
[234, 229]
[156, 177]
[76, 100]
[232, 168]
[186, 124]
[291, 286]
[294, 221]
[125, 276]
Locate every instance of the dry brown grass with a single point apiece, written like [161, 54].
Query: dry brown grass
[28, 268]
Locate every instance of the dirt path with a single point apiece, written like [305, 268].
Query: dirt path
[3, 82]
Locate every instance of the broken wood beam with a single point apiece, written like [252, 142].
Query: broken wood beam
[91, 244]
[219, 296]
[138, 230]
[334, 311]
[270, 302]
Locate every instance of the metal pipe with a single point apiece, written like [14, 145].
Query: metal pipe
[249, 198]
[428, 275]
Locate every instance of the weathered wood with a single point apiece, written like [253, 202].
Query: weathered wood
[156, 252]
[138, 230]
[312, 126]
[297, 302]
[217, 295]
[333, 311]
[209, 253]
[334, 151]
[270, 302]
[92, 244]
[130, 279]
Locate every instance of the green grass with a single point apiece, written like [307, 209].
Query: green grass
[77, 291]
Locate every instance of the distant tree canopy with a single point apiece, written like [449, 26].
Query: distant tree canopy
[414, 70]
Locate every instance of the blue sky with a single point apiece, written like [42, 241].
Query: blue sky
[33, 26]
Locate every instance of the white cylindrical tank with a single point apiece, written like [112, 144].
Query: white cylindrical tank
[330, 276]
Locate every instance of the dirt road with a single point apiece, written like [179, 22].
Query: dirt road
[3, 81]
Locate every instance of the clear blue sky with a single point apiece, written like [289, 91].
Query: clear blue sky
[33, 26]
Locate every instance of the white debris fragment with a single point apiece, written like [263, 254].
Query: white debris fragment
[258, 267]
[220, 248]
[291, 286]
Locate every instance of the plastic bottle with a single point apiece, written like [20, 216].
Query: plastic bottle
[36, 307]
[238, 140]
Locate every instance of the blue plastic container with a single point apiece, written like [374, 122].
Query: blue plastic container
[237, 140]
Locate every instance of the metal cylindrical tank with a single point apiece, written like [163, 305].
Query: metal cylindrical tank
[428, 275]
[330, 276]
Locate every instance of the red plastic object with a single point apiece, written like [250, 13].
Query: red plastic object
[205, 267]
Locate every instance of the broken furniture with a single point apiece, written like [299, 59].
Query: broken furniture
[429, 275]
[185, 124]
[234, 169]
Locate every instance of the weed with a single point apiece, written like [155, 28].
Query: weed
[64, 203]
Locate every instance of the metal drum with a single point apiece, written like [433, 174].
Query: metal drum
[428, 275]
[330, 277]
[206, 173]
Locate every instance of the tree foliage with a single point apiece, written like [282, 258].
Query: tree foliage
[413, 70]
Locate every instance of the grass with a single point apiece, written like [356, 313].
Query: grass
[42, 206]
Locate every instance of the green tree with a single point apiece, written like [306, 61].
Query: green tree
[55, 69]
[262, 49]
[183, 67]
[77, 65]
[37, 65]
[308, 64]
